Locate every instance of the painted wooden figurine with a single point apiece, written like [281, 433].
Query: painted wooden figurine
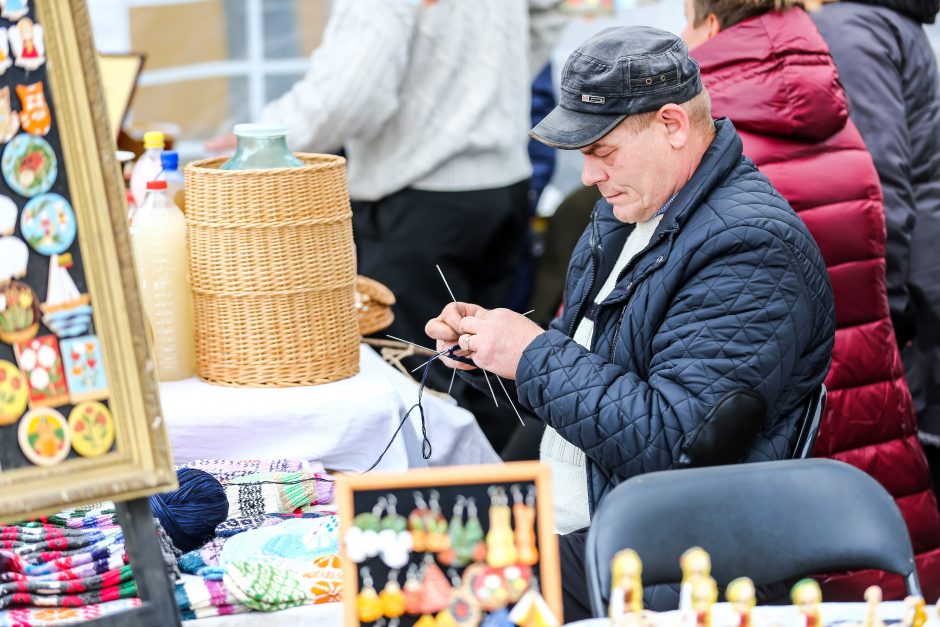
[695, 562]
[742, 596]
[704, 596]
[873, 598]
[626, 593]
[807, 597]
[915, 611]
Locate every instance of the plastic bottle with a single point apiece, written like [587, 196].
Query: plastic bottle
[148, 166]
[261, 146]
[175, 181]
[158, 235]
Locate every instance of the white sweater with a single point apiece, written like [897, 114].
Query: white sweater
[569, 473]
[435, 98]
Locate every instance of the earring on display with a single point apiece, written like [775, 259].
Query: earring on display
[362, 539]
[368, 603]
[412, 591]
[455, 532]
[464, 609]
[474, 546]
[438, 540]
[417, 524]
[524, 514]
[500, 542]
[393, 598]
[395, 541]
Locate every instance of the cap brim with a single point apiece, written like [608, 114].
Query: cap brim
[569, 130]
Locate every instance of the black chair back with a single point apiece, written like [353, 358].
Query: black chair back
[809, 424]
[770, 521]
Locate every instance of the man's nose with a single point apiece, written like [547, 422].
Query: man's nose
[592, 172]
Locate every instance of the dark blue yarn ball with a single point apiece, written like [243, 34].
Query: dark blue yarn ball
[191, 513]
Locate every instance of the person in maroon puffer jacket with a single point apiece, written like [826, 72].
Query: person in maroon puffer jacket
[768, 69]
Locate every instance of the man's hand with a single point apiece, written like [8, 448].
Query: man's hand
[446, 330]
[494, 339]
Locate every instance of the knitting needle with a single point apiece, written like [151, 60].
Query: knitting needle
[453, 373]
[398, 339]
[457, 305]
[509, 398]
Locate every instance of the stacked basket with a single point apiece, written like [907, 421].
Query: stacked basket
[272, 267]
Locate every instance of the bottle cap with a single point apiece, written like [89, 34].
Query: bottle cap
[170, 160]
[260, 130]
[156, 185]
[154, 139]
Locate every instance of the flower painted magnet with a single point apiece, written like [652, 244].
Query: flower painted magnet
[19, 313]
[35, 116]
[44, 436]
[84, 370]
[14, 393]
[41, 363]
[29, 165]
[14, 9]
[26, 41]
[48, 224]
[92, 429]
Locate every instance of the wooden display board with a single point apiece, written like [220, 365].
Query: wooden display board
[72, 334]
[360, 493]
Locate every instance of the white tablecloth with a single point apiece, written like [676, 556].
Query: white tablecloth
[345, 424]
[768, 615]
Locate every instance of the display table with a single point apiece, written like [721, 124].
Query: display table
[326, 615]
[345, 424]
[782, 615]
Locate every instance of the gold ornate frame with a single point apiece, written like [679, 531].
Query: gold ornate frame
[141, 463]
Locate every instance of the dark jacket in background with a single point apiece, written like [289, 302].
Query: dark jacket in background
[889, 71]
[773, 77]
[730, 298]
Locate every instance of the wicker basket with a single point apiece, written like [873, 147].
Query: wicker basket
[374, 303]
[273, 272]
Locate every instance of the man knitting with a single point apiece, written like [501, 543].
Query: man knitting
[698, 316]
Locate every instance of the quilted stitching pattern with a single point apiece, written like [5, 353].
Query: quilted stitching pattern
[732, 294]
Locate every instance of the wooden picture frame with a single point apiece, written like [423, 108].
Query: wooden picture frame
[139, 462]
[119, 76]
[347, 487]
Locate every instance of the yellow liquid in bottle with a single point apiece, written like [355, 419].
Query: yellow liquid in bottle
[161, 255]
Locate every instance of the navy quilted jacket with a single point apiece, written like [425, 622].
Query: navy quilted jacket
[731, 294]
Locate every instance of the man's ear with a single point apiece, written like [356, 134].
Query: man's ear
[676, 122]
[714, 26]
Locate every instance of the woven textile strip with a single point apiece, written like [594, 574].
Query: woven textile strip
[194, 594]
[227, 469]
[264, 587]
[54, 616]
[121, 591]
[34, 585]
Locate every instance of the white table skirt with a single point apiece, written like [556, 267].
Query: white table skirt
[767, 615]
[324, 615]
[345, 424]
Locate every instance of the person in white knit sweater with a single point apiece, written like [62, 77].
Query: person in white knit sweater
[430, 102]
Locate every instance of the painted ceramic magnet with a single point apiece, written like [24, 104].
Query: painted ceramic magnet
[84, 371]
[29, 165]
[92, 429]
[35, 116]
[48, 224]
[19, 313]
[14, 393]
[14, 9]
[26, 41]
[9, 119]
[41, 363]
[67, 312]
[5, 60]
[44, 437]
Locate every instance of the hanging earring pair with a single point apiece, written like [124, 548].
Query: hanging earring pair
[392, 597]
[500, 542]
[466, 540]
[362, 539]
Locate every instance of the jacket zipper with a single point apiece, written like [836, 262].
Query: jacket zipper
[594, 264]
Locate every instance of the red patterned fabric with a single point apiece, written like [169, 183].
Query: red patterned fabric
[773, 77]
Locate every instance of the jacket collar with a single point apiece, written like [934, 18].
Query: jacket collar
[923, 11]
